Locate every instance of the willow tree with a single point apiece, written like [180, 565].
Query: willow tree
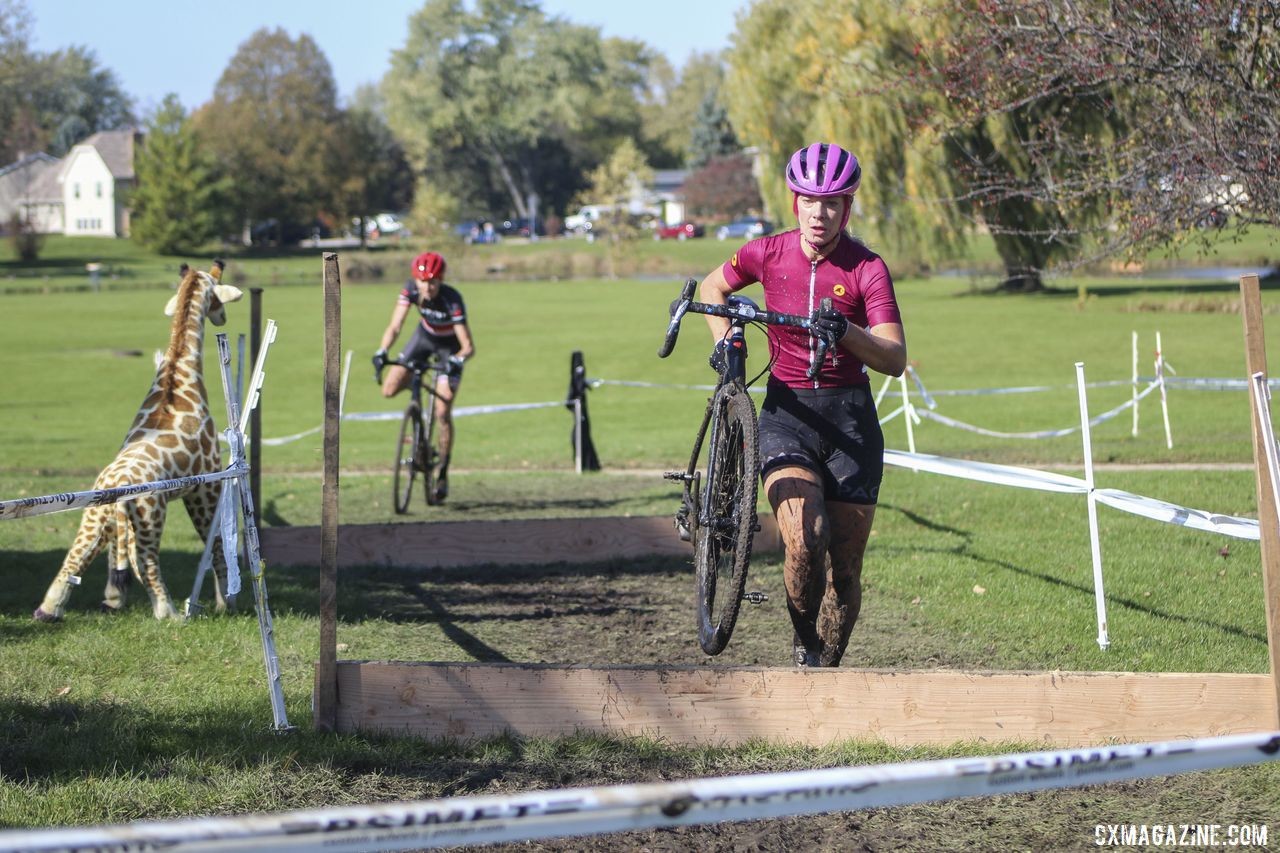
[1140, 119]
[848, 78]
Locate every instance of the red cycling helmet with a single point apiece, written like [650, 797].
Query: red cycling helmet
[428, 265]
[822, 170]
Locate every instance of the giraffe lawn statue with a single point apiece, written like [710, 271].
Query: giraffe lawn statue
[172, 436]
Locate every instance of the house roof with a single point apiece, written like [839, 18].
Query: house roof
[33, 178]
[45, 186]
[115, 147]
[27, 161]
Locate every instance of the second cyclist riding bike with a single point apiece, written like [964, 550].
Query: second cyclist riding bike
[417, 449]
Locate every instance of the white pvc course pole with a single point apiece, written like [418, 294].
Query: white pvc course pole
[1164, 398]
[1134, 374]
[1091, 501]
[907, 413]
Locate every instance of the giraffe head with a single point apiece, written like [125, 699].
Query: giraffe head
[217, 294]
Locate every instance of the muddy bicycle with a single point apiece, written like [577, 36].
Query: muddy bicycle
[418, 447]
[718, 508]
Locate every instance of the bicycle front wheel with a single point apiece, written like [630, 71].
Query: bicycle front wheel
[722, 544]
[430, 453]
[406, 467]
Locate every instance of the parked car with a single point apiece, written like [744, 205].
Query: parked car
[678, 231]
[744, 228]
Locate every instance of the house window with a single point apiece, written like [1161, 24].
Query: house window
[76, 189]
[99, 189]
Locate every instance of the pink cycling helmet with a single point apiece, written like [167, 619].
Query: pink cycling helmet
[822, 170]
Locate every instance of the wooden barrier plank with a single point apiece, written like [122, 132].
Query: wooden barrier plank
[448, 544]
[705, 705]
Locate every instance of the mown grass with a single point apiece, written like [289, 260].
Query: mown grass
[115, 719]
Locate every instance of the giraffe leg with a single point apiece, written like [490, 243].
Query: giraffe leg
[119, 547]
[146, 516]
[88, 542]
[202, 505]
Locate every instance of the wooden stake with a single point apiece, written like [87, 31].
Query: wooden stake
[326, 684]
[1255, 350]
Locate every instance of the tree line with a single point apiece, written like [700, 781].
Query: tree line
[1067, 129]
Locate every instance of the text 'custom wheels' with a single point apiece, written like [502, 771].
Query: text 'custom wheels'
[722, 544]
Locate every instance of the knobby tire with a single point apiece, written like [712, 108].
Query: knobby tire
[406, 469]
[722, 542]
[430, 452]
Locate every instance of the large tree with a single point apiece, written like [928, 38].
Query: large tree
[371, 169]
[274, 127]
[496, 102]
[51, 101]
[180, 203]
[1139, 119]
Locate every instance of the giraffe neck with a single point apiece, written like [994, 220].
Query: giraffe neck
[182, 369]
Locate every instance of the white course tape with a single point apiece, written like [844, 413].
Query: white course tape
[1048, 481]
[1197, 519]
[589, 811]
[459, 412]
[26, 507]
[1053, 433]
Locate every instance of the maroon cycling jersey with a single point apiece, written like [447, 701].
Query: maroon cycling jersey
[855, 278]
[439, 315]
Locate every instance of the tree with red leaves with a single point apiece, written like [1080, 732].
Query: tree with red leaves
[1119, 125]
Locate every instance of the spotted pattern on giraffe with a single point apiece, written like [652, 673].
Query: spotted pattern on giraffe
[172, 436]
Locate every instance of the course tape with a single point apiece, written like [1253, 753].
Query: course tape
[26, 507]
[1048, 481]
[589, 811]
[1051, 433]
[459, 412]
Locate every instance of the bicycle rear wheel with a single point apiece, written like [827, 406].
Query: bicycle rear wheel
[405, 466]
[722, 543]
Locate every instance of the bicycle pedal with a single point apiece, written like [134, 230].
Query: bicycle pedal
[677, 475]
[755, 597]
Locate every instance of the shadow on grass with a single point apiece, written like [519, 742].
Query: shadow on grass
[963, 550]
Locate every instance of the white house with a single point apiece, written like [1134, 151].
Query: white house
[96, 176]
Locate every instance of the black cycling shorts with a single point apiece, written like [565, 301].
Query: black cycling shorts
[834, 432]
[423, 345]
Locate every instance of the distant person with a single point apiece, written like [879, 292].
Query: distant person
[821, 448]
[442, 330]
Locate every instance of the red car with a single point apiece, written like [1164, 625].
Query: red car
[679, 231]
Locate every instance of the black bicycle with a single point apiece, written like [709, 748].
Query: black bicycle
[417, 450]
[718, 509]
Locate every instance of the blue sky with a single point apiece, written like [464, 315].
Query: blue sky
[160, 46]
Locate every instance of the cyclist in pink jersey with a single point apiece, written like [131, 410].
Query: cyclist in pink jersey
[821, 448]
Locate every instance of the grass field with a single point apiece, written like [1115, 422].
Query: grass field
[123, 719]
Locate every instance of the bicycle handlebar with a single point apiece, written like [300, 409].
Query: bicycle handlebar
[416, 368]
[744, 312]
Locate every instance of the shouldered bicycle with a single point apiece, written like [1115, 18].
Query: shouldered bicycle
[718, 509]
